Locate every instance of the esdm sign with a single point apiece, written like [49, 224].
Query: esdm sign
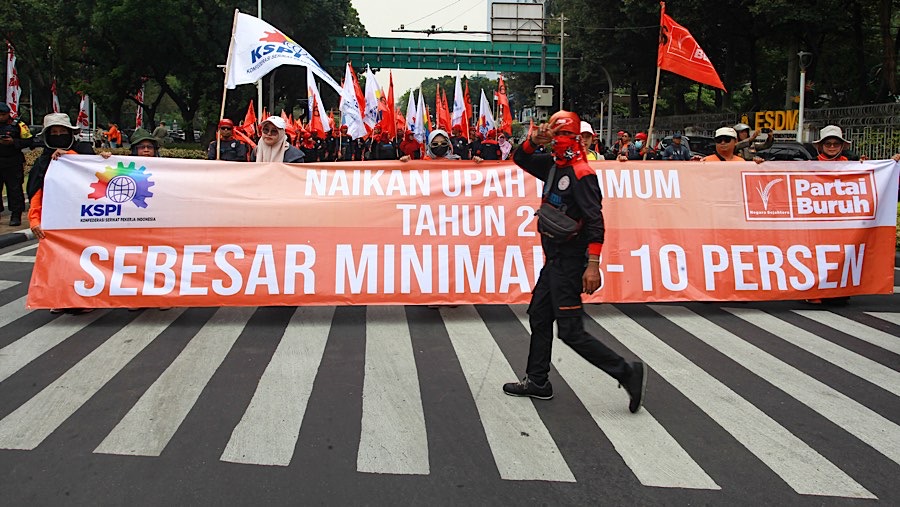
[220, 234]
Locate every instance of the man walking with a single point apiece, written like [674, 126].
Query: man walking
[572, 262]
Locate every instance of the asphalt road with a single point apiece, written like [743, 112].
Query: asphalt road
[747, 404]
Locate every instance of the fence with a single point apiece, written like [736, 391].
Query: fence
[873, 129]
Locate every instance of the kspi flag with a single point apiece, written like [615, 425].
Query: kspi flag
[258, 47]
[351, 115]
[485, 115]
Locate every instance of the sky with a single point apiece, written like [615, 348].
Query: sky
[381, 16]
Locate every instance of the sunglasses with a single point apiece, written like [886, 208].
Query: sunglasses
[270, 132]
[438, 145]
[724, 139]
[833, 144]
[224, 128]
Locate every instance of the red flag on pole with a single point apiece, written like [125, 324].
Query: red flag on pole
[248, 126]
[445, 122]
[315, 123]
[388, 123]
[679, 53]
[55, 96]
[468, 119]
[82, 120]
[505, 114]
[139, 110]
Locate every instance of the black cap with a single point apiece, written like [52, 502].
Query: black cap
[676, 135]
[4, 108]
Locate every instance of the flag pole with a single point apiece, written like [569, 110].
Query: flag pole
[652, 113]
[225, 83]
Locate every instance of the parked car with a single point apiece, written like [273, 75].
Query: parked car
[788, 150]
[699, 145]
[85, 135]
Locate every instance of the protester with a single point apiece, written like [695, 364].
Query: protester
[114, 136]
[439, 148]
[161, 132]
[144, 144]
[587, 139]
[627, 150]
[831, 145]
[726, 140]
[747, 146]
[475, 138]
[505, 146]
[460, 143]
[383, 148]
[572, 263]
[14, 136]
[675, 150]
[230, 148]
[273, 145]
[490, 149]
[59, 140]
[410, 147]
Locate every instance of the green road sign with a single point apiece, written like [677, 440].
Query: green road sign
[441, 54]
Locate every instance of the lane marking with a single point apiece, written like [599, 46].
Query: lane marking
[520, 442]
[147, 428]
[853, 328]
[12, 311]
[861, 366]
[18, 251]
[852, 416]
[634, 436]
[40, 416]
[801, 467]
[893, 318]
[393, 438]
[268, 431]
[6, 284]
[26, 349]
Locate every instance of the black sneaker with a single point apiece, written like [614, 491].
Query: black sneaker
[636, 384]
[526, 387]
[15, 219]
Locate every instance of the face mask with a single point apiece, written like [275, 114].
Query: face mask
[439, 150]
[61, 141]
[566, 148]
[639, 144]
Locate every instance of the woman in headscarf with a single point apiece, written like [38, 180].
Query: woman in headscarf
[273, 145]
[439, 148]
[505, 146]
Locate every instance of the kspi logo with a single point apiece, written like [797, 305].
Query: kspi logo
[120, 185]
[838, 195]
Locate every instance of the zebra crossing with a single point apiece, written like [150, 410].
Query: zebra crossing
[687, 349]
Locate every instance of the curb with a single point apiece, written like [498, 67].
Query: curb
[13, 238]
[897, 259]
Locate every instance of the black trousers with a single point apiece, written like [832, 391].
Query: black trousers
[13, 177]
[557, 297]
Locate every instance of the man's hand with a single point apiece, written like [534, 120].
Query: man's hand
[58, 153]
[590, 280]
[404, 158]
[477, 159]
[542, 135]
[38, 232]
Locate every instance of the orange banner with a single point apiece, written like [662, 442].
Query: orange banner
[132, 232]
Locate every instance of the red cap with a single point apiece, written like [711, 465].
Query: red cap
[620, 133]
[641, 136]
[565, 120]
[225, 122]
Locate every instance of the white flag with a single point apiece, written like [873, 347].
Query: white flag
[258, 47]
[83, 120]
[312, 94]
[55, 97]
[421, 130]
[13, 90]
[459, 105]
[411, 111]
[350, 113]
[374, 94]
[485, 115]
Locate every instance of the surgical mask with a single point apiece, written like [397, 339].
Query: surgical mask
[60, 141]
[639, 144]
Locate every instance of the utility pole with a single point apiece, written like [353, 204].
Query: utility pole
[543, 43]
[562, 36]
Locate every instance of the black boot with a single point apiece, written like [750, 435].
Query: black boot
[15, 219]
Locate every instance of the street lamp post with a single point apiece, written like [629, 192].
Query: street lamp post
[804, 60]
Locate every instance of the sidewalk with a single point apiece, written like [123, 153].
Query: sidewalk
[12, 235]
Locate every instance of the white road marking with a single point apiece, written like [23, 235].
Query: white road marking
[268, 431]
[853, 328]
[861, 366]
[855, 418]
[801, 467]
[635, 437]
[393, 438]
[6, 284]
[12, 311]
[147, 428]
[522, 446]
[893, 318]
[17, 251]
[26, 349]
[37, 418]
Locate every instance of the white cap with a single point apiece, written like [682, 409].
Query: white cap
[586, 127]
[726, 131]
[278, 121]
[831, 131]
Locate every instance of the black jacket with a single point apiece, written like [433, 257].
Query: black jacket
[39, 169]
[576, 190]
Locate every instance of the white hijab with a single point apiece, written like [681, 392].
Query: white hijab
[266, 153]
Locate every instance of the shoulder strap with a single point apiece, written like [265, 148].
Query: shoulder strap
[549, 181]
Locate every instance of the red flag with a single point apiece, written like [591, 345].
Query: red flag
[249, 124]
[55, 96]
[468, 119]
[289, 126]
[331, 120]
[505, 114]
[444, 120]
[388, 123]
[238, 133]
[265, 114]
[399, 120]
[679, 53]
[315, 123]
